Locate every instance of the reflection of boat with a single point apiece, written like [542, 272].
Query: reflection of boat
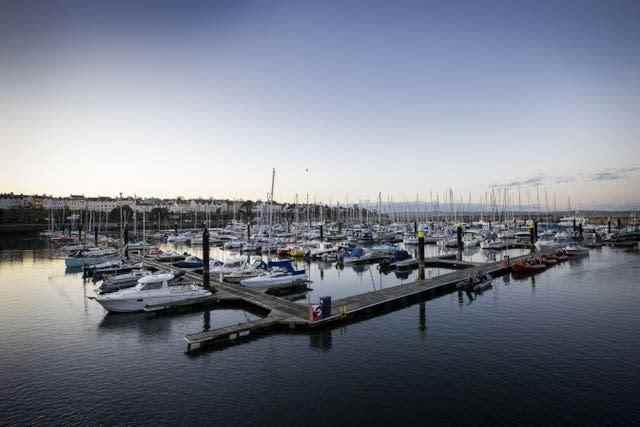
[477, 283]
[153, 289]
[402, 274]
[390, 263]
[280, 274]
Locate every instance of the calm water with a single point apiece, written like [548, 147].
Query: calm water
[563, 349]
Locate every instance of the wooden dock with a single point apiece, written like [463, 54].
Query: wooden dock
[447, 261]
[285, 314]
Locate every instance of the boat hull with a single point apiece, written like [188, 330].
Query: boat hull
[272, 282]
[130, 305]
[83, 262]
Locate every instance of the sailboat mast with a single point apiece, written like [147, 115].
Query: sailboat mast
[273, 179]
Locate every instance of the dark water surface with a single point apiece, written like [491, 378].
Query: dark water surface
[561, 349]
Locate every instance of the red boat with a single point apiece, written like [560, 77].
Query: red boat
[549, 261]
[525, 267]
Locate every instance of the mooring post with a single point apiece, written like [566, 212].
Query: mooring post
[79, 229]
[609, 225]
[490, 228]
[321, 233]
[126, 243]
[532, 234]
[175, 227]
[415, 228]
[207, 320]
[535, 231]
[95, 235]
[249, 230]
[574, 226]
[619, 223]
[580, 236]
[421, 254]
[421, 247]
[460, 244]
[205, 256]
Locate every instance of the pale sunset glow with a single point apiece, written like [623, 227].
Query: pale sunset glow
[368, 97]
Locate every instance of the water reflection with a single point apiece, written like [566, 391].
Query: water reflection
[321, 340]
[207, 320]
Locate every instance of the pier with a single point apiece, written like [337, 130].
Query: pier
[285, 315]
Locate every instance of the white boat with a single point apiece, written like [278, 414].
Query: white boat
[410, 240]
[91, 257]
[197, 240]
[560, 240]
[179, 238]
[449, 243]
[384, 249]
[228, 267]
[576, 251]
[154, 289]
[121, 281]
[496, 245]
[247, 271]
[277, 278]
[434, 238]
[472, 242]
[322, 250]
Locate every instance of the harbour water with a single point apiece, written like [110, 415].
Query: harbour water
[558, 348]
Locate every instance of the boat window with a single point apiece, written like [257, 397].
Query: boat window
[151, 285]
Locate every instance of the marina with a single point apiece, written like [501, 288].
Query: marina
[281, 213]
[285, 301]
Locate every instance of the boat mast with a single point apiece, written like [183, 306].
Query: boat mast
[273, 179]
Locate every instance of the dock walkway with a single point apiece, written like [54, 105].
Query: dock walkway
[283, 313]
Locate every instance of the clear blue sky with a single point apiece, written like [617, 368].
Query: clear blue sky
[204, 98]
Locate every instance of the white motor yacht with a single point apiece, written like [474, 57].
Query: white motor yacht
[154, 289]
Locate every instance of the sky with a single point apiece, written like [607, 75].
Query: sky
[344, 99]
